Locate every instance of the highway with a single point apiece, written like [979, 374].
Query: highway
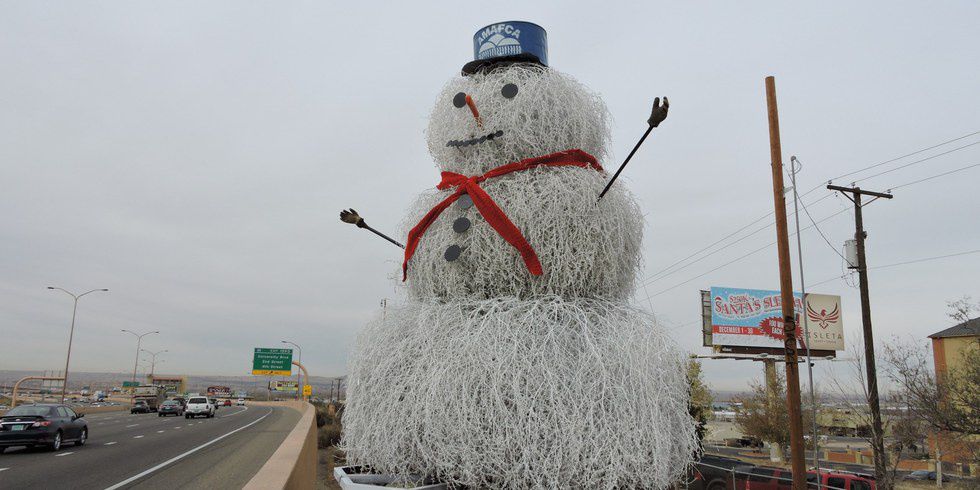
[147, 451]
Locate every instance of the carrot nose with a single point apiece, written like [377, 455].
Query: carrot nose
[473, 109]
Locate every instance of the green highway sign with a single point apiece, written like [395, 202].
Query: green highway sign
[133, 384]
[272, 362]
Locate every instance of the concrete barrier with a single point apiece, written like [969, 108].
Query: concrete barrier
[294, 464]
[107, 408]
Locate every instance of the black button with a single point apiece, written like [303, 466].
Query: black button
[452, 253]
[465, 201]
[509, 91]
[461, 225]
[459, 100]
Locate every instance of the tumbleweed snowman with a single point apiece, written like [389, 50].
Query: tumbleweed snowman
[517, 360]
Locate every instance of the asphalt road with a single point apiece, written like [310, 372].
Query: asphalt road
[147, 451]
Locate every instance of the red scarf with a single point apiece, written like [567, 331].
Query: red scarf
[489, 209]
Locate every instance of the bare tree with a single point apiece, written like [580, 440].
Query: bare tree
[855, 382]
[947, 402]
[763, 412]
[960, 310]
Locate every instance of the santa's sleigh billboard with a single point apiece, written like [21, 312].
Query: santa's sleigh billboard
[749, 321]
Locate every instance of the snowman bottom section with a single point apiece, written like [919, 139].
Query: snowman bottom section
[511, 393]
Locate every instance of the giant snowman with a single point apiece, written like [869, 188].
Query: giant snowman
[517, 359]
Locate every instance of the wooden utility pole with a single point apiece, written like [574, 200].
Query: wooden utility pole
[877, 435]
[793, 403]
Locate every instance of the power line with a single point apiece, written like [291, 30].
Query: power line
[669, 270]
[903, 156]
[828, 280]
[663, 272]
[808, 215]
[907, 262]
[916, 162]
[741, 257]
[926, 259]
[935, 176]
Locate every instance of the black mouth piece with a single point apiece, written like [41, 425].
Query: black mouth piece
[475, 141]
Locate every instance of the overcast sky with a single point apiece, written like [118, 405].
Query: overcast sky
[192, 157]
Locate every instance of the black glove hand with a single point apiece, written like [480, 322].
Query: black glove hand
[659, 112]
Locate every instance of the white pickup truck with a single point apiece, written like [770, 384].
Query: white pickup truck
[198, 406]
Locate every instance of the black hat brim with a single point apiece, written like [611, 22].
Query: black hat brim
[477, 65]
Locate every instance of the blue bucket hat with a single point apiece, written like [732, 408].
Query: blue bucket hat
[508, 42]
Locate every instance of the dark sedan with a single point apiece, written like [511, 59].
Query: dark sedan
[924, 475]
[47, 425]
[170, 407]
[140, 406]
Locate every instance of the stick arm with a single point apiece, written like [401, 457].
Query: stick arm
[657, 116]
[351, 216]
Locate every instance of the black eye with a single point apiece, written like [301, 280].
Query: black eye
[509, 91]
[459, 100]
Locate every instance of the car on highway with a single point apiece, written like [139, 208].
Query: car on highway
[49, 425]
[140, 406]
[198, 406]
[241, 402]
[181, 400]
[170, 407]
[214, 401]
[227, 403]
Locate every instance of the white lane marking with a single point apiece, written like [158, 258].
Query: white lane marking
[110, 443]
[233, 414]
[188, 453]
[159, 432]
[4, 469]
[137, 437]
[64, 454]
[134, 425]
[177, 427]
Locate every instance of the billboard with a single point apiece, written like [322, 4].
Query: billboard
[172, 385]
[752, 319]
[284, 386]
[219, 391]
[272, 362]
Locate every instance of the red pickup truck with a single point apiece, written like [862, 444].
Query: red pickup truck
[762, 478]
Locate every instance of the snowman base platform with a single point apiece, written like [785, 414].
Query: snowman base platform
[362, 478]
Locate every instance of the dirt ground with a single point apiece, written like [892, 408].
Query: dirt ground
[327, 458]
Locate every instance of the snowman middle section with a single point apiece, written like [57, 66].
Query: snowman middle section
[587, 249]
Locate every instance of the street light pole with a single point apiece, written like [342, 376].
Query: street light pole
[71, 332]
[299, 382]
[153, 363]
[139, 341]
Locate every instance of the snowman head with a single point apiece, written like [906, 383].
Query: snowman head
[508, 113]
